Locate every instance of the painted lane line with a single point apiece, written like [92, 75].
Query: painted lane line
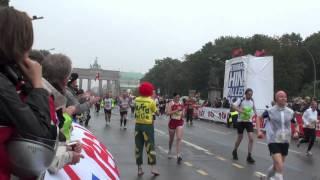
[194, 146]
[293, 151]
[209, 153]
[215, 131]
[202, 172]
[218, 132]
[290, 150]
[259, 142]
[163, 149]
[188, 164]
[260, 174]
[160, 132]
[221, 158]
[237, 165]
[184, 141]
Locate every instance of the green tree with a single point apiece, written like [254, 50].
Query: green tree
[293, 68]
[288, 67]
[4, 2]
[166, 75]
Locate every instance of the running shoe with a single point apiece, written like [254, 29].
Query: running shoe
[179, 159]
[250, 160]
[309, 153]
[235, 155]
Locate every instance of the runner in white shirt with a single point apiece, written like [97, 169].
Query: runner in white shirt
[108, 101]
[279, 119]
[246, 109]
[310, 118]
[124, 106]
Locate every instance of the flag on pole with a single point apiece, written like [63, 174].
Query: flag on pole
[237, 52]
[97, 76]
[260, 53]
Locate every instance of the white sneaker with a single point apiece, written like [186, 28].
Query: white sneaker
[309, 153]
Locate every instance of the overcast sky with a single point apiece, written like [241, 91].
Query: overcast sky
[130, 35]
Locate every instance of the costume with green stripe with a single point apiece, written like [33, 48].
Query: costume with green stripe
[144, 130]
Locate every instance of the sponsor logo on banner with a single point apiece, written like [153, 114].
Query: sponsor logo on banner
[236, 80]
[214, 114]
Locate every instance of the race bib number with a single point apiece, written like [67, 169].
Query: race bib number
[124, 106]
[283, 136]
[107, 106]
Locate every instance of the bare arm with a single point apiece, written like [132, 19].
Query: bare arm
[237, 108]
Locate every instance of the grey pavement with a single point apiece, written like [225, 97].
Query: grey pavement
[206, 152]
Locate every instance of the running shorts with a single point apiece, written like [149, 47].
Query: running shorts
[173, 123]
[241, 126]
[281, 148]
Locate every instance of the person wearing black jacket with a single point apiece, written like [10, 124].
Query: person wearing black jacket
[29, 115]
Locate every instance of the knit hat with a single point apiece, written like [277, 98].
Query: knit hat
[146, 89]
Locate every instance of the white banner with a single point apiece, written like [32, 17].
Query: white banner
[97, 163]
[221, 114]
[249, 72]
[213, 114]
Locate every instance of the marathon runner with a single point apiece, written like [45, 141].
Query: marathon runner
[278, 130]
[124, 105]
[175, 112]
[108, 105]
[310, 119]
[246, 109]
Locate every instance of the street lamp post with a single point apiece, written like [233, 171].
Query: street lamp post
[37, 18]
[314, 70]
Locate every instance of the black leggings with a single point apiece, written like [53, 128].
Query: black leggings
[123, 119]
[189, 115]
[309, 137]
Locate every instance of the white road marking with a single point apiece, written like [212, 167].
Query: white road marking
[215, 131]
[293, 151]
[237, 165]
[202, 172]
[218, 132]
[163, 149]
[188, 164]
[209, 153]
[194, 146]
[259, 174]
[259, 142]
[221, 158]
[184, 141]
[160, 132]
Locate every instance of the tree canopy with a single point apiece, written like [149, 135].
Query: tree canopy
[293, 67]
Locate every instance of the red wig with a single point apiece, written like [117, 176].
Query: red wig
[146, 89]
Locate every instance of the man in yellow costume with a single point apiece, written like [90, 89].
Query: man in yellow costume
[145, 107]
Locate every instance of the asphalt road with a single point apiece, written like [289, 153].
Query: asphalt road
[206, 152]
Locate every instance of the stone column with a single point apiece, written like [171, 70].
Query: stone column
[108, 86]
[89, 84]
[80, 83]
[100, 88]
[117, 86]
